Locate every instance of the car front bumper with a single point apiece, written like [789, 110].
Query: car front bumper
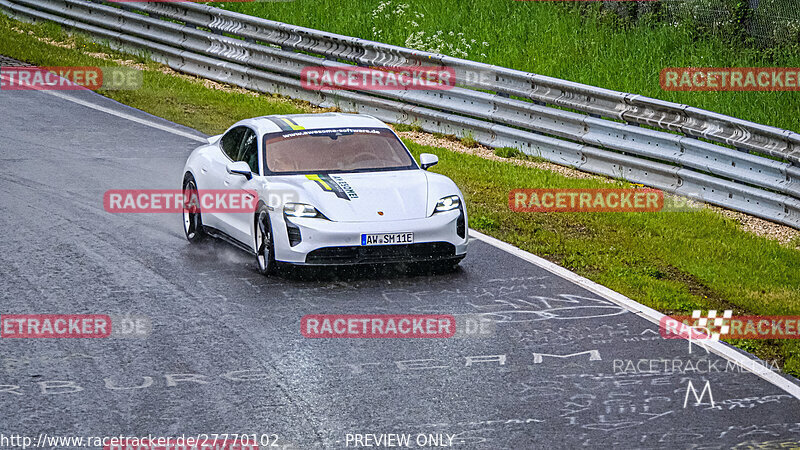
[323, 242]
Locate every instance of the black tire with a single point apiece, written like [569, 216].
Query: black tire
[192, 219]
[265, 242]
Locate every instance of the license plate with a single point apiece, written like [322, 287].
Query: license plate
[387, 239]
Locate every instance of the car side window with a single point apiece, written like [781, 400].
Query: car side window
[249, 150]
[231, 142]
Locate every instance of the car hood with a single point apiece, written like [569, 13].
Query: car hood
[365, 196]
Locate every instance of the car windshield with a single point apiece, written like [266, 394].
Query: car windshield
[335, 150]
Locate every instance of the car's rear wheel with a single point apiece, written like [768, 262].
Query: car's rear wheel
[265, 243]
[192, 219]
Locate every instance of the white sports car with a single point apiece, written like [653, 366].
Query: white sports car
[331, 189]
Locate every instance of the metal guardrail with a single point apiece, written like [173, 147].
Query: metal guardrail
[588, 128]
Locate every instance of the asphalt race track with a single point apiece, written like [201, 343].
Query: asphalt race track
[225, 353]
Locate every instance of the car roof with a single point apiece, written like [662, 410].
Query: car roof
[289, 122]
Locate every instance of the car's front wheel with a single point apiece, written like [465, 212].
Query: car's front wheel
[265, 243]
[192, 220]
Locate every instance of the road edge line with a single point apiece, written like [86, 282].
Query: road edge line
[123, 115]
[719, 348]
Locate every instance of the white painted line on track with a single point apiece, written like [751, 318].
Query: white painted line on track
[717, 347]
[119, 114]
[123, 115]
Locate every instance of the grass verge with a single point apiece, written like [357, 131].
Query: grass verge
[673, 262]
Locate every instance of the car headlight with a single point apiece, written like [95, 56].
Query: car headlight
[448, 203]
[300, 210]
